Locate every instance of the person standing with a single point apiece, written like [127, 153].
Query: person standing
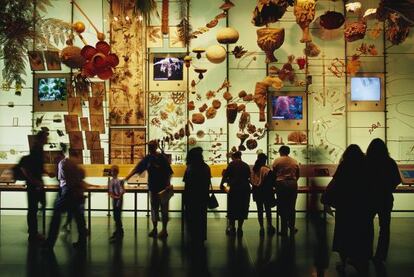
[70, 198]
[384, 178]
[197, 180]
[116, 191]
[348, 193]
[262, 190]
[286, 170]
[159, 176]
[237, 176]
[32, 169]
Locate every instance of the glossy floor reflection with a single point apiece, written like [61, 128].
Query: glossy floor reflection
[307, 255]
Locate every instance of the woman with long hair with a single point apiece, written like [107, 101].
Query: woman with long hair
[348, 192]
[384, 178]
[262, 190]
[197, 180]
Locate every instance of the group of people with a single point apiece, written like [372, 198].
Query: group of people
[240, 180]
[70, 198]
[362, 188]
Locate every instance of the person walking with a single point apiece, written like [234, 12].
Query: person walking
[262, 181]
[237, 176]
[384, 178]
[286, 170]
[197, 180]
[32, 169]
[159, 176]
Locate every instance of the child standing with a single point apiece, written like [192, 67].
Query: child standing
[116, 191]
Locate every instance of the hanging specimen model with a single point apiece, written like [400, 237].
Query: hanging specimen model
[227, 35]
[164, 18]
[268, 11]
[270, 39]
[332, 20]
[260, 98]
[304, 11]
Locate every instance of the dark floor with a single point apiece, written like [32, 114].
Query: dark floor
[308, 255]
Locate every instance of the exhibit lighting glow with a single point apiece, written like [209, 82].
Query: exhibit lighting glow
[140, 18]
[116, 18]
[127, 18]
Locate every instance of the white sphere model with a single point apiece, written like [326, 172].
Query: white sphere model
[227, 35]
[216, 53]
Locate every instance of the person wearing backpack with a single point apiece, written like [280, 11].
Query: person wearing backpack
[32, 171]
[262, 190]
[159, 176]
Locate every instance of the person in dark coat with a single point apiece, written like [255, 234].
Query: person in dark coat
[349, 192]
[32, 169]
[384, 178]
[197, 180]
[237, 176]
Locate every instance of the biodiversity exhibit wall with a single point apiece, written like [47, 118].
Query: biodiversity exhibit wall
[105, 77]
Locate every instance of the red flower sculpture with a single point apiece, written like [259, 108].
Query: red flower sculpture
[99, 60]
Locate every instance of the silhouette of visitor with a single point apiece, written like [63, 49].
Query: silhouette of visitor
[286, 170]
[262, 190]
[159, 176]
[237, 176]
[116, 191]
[197, 180]
[70, 198]
[32, 169]
[348, 192]
[384, 178]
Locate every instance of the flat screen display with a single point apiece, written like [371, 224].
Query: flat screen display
[409, 174]
[168, 68]
[287, 107]
[52, 89]
[365, 89]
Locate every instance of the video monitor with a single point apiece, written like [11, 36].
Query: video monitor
[167, 72]
[168, 68]
[287, 111]
[50, 92]
[365, 88]
[52, 89]
[366, 92]
[286, 107]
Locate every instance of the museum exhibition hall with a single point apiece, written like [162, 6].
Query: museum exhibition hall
[101, 82]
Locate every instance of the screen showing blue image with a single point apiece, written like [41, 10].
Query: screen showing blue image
[365, 89]
[52, 89]
[287, 107]
[409, 174]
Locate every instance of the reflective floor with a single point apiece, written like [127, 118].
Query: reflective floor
[308, 254]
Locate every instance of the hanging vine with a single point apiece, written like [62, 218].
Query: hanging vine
[184, 27]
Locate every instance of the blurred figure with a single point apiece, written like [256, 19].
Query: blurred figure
[384, 178]
[70, 198]
[159, 177]
[32, 169]
[348, 192]
[262, 190]
[197, 180]
[237, 176]
[286, 170]
[116, 191]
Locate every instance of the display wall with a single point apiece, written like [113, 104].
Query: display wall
[152, 94]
